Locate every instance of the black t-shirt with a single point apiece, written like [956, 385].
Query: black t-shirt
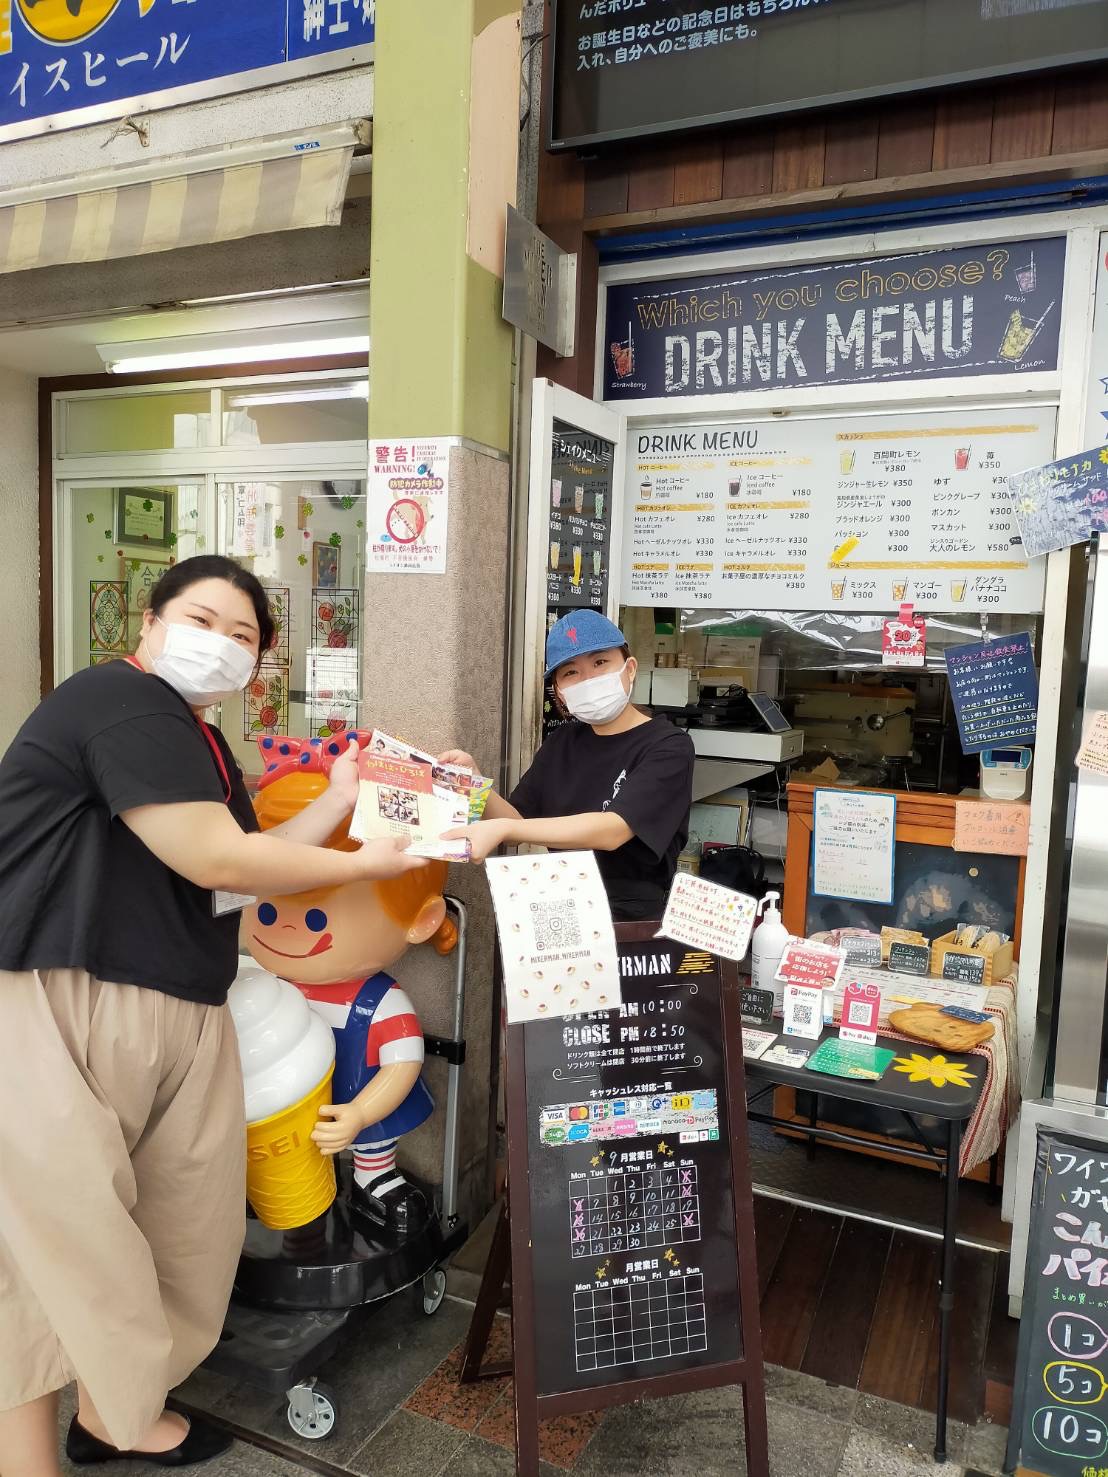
[643, 775]
[78, 890]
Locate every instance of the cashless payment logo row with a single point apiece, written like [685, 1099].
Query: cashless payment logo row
[689, 1117]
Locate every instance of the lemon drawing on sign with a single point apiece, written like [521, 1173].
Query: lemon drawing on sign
[64, 21]
[936, 1070]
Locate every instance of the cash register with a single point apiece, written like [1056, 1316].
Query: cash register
[728, 722]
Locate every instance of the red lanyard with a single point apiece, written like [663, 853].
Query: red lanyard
[217, 754]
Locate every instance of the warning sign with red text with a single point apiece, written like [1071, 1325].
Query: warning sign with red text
[407, 505]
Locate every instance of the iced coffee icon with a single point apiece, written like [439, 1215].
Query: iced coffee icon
[555, 492]
[958, 591]
[961, 458]
[577, 564]
[579, 499]
[735, 486]
[1027, 277]
[555, 553]
[838, 589]
[1020, 334]
[846, 462]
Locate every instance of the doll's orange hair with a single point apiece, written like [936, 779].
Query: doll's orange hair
[403, 898]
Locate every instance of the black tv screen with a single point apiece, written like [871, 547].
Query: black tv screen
[625, 68]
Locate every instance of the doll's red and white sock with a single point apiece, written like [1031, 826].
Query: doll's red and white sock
[375, 1166]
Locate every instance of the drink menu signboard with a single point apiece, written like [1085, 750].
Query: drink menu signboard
[1059, 1423]
[632, 1247]
[851, 512]
[580, 519]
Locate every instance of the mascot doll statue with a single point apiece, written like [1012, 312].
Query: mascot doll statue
[336, 946]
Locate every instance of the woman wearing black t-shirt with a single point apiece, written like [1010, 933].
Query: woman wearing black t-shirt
[125, 832]
[616, 782]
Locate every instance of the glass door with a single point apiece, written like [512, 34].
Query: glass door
[305, 540]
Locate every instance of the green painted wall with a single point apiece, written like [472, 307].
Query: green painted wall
[440, 353]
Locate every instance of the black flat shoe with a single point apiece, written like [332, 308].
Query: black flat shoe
[202, 1443]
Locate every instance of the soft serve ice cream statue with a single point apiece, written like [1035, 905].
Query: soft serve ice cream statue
[336, 946]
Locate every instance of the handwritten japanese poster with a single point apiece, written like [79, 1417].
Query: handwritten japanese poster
[999, 826]
[854, 845]
[706, 916]
[556, 938]
[1093, 754]
[1063, 503]
[995, 691]
[408, 505]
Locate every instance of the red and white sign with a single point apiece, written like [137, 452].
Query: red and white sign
[861, 1013]
[407, 505]
[817, 966]
[904, 640]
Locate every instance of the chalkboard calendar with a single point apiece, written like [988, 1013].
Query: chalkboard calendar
[631, 1215]
[1059, 1420]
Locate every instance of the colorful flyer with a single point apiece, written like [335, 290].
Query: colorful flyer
[850, 1059]
[803, 1011]
[904, 640]
[407, 505]
[854, 845]
[706, 916]
[1062, 503]
[398, 797]
[556, 937]
[805, 963]
[861, 1013]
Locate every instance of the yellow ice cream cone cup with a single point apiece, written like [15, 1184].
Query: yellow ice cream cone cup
[288, 1181]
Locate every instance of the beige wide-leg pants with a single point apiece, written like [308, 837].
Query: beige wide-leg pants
[122, 1190]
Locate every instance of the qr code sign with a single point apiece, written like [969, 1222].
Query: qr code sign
[556, 926]
[859, 1013]
[804, 1013]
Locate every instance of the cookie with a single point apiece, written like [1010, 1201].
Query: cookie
[928, 1023]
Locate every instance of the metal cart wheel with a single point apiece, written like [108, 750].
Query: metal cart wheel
[434, 1290]
[313, 1411]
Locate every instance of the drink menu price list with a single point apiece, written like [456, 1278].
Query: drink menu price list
[1060, 1420]
[632, 1208]
[852, 513]
[580, 520]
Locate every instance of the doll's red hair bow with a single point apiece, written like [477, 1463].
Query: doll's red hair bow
[283, 756]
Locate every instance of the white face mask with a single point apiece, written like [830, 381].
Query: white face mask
[203, 666]
[598, 699]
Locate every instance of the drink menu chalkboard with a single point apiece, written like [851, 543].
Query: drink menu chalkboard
[633, 1213]
[1059, 1424]
[580, 519]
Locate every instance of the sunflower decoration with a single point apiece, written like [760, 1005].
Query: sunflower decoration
[936, 1070]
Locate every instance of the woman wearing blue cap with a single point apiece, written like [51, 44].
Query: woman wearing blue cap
[615, 782]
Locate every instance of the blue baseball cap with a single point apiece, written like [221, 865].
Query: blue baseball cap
[578, 634]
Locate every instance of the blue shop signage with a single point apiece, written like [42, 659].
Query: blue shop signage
[988, 309]
[61, 58]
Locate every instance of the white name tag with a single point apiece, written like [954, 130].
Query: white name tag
[231, 902]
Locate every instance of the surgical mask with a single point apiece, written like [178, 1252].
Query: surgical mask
[598, 699]
[203, 666]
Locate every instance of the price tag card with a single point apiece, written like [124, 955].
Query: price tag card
[803, 1011]
[786, 1055]
[967, 969]
[865, 950]
[910, 958]
[803, 963]
[755, 1005]
[861, 1013]
[704, 915]
[1093, 755]
[960, 1013]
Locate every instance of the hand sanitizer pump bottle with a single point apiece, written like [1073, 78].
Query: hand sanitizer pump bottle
[771, 938]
